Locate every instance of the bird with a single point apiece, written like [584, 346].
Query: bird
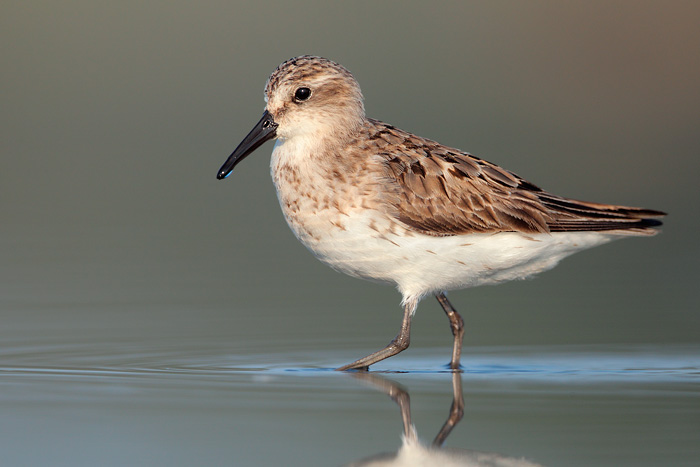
[383, 204]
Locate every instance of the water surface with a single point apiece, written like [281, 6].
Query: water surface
[184, 403]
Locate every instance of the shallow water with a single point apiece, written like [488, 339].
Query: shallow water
[184, 403]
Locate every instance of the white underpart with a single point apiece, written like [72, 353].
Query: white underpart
[422, 264]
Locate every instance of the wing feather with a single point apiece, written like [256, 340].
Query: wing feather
[437, 190]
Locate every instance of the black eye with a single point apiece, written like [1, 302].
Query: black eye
[302, 94]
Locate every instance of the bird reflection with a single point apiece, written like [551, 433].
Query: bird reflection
[415, 453]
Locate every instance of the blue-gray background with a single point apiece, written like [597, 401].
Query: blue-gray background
[132, 281]
[116, 116]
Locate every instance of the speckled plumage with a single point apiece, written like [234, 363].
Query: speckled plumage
[380, 203]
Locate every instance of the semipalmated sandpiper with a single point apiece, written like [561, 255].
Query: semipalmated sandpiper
[379, 203]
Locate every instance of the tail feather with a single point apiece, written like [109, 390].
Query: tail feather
[578, 216]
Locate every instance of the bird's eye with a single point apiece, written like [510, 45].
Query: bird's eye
[302, 94]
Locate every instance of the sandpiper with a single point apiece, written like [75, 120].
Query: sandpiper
[383, 204]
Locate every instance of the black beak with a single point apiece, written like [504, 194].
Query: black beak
[264, 130]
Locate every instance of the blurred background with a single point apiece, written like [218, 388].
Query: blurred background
[152, 315]
[116, 117]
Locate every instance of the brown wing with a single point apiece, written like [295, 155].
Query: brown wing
[442, 191]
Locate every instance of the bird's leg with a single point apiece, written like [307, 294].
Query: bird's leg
[398, 343]
[456, 410]
[457, 326]
[397, 393]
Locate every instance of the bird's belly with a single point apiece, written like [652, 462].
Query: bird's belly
[355, 243]
[369, 245]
